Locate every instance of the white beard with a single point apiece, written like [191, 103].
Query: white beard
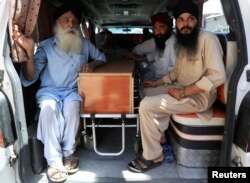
[69, 40]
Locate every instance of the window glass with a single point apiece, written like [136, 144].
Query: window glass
[127, 30]
[213, 17]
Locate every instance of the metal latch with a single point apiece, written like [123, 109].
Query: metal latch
[237, 161]
[1, 77]
[248, 75]
[12, 156]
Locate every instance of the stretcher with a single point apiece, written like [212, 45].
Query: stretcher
[111, 91]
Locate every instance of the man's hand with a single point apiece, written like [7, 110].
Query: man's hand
[175, 92]
[136, 57]
[130, 56]
[88, 68]
[25, 42]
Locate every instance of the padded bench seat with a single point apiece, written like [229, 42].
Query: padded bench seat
[196, 143]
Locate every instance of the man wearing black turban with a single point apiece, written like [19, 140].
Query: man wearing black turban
[57, 62]
[73, 7]
[192, 85]
[187, 35]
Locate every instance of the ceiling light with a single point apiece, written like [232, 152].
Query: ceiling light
[125, 13]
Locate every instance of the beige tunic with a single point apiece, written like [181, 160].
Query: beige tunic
[206, 70]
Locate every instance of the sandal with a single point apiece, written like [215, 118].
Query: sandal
[137, 165]
[71, 164]
[56, 174]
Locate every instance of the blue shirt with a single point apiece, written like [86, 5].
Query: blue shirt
[58, 70]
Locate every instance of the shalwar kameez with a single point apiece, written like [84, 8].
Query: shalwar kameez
[206, 70]
[58, 97]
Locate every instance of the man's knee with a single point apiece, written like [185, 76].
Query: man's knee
[71, 108]
[47, 105]
[145, 103]
[47, 110]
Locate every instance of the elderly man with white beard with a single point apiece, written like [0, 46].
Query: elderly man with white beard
[57, 62]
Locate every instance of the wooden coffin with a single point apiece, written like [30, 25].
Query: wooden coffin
[110, 88]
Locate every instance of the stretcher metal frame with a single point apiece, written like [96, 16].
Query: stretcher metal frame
[123, 126]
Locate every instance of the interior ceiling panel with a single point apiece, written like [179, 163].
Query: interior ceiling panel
[125, 12]
[122, 11]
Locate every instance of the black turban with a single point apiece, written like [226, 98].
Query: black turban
[68, 7]
[186, 6]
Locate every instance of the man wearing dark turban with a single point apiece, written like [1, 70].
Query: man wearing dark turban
[187, 35]
[192, 85]
[158, 52]
[57, 62]
[159, 22]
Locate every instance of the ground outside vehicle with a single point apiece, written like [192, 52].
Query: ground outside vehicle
[17, 108]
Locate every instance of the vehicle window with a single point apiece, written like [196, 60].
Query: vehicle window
[127, 30]
[213, 17]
